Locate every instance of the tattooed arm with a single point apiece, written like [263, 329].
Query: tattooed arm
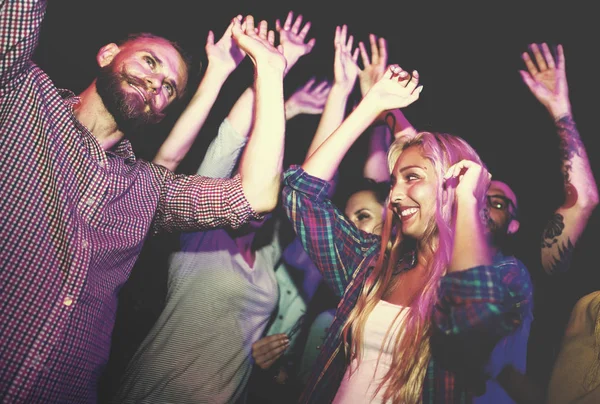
[547, 80]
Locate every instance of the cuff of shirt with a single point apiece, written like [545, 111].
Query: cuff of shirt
[244, 210]
[298, 179]
[481, 293]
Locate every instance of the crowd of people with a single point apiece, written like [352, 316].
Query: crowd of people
[280, 285]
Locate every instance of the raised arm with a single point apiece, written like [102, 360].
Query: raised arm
[345, 71]
[294, 45]
[261, 162]
[223, 152]
[470, 247]
[20, 22]
[223, 58]
[372, 70]
[396, 89]
[308, 99]
[546, 79]
[392, 121]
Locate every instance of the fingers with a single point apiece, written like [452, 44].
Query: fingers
[539, 59]
[410, 81]
[548, 55]
[311, 44]
[455, 174]
[267, 350]
[560, 56]
[296, 27]
[249, 22]
[383, 56]
[542, 59]
[288, 21]
[305, 30]
[322, 87]
[262, 29]
[527, 79]
[363, 54]
[350, 43]
[271, 37]
[395, 71]
[413, 82]
[343, 34]
[374, 49]
[210, 38]
[309, 84]
[531, 67]
[228, 31]
[456, 169]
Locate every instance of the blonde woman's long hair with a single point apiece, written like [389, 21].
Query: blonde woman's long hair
[411, 352]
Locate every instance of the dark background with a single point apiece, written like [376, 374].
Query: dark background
[468, 56]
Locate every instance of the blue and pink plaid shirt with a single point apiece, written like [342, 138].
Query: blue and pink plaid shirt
[476, 308]
[73, 219]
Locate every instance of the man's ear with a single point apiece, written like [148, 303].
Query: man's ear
[106, 54]
[513, 226]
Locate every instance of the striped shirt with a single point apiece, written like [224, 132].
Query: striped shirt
[200, 348]
[73, 219]
[476, 307]
[217, 306]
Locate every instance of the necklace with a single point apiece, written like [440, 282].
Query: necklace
[407, 262]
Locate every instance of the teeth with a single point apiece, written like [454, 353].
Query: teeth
[407, 212]
[139, 91]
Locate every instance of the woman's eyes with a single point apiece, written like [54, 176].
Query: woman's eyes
[363, 216]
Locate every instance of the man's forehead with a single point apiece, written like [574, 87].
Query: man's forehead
[168, 55]
[501, 188]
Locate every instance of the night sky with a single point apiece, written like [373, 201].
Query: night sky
[468, 58]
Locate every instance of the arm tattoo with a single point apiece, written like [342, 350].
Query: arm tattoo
[553, 230]
[562, 263]
[570, 144]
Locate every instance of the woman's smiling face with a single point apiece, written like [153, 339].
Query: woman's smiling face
[414, 191]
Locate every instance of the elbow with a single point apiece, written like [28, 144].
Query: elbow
[265, 205]
[263, 198]
[588, 202]
[593, 198]
[170, 164]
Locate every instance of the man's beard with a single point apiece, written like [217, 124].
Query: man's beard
[128, 110]
[500, 236]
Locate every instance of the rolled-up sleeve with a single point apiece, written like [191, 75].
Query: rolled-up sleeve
[491, 300]
[189, 203]
[335, 245]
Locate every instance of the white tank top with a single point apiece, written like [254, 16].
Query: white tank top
[359, 387]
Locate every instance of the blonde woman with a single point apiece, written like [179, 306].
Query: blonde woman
[423, 304]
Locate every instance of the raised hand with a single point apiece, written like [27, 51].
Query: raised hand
[345, 68]
[292, 37]
[468, 178]
[546, 78]
[373, 68]
[267, 350]
[395, 89]
[258, 44]
[308, 99]
[225, 54]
